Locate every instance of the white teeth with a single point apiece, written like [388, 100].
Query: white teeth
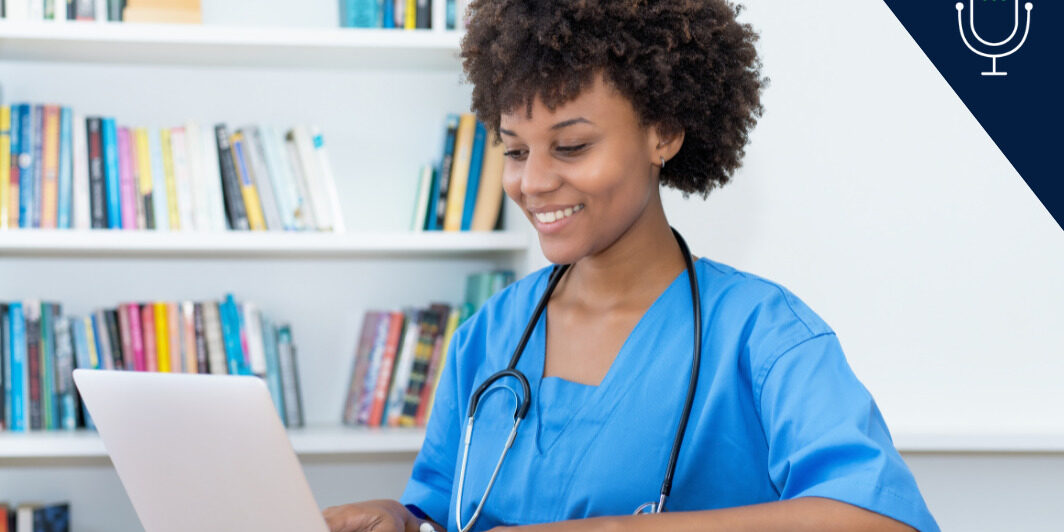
[551, 217]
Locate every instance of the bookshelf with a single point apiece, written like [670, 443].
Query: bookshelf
[379, 97]
[221, 45]
[146, 244]
[321, 440]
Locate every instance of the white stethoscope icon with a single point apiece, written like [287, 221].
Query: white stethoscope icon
[1015, 28]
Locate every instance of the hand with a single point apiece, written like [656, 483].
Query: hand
[371, 516]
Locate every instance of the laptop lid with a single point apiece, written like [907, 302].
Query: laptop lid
[200, 452]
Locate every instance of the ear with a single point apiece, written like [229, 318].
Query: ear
[665, 143]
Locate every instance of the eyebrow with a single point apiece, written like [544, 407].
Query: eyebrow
[559, 125]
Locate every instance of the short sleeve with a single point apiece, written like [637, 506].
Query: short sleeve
[827, 438]
[429, 487]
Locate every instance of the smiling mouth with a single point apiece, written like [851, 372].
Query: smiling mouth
[551, 217]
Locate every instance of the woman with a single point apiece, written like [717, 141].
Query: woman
[599, 103]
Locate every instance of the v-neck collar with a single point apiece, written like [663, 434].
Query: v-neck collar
[623, 371]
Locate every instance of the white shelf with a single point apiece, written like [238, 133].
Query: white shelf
[339, 440]
[109, 42]
[306, 442]
[236, 244]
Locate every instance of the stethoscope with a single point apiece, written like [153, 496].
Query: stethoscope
[524, 401]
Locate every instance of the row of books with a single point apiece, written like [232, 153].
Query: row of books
[40, 348]
[60, 169]
[399, 14]
[30, 517]
[400, 357]
[184, 11]
[463, 190]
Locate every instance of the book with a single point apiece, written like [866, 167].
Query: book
[50, 518]
[487, 209]
[147, 321]
[160, 193]
[263, 177]
[82, 358]
[118, 354]
[197, 173]
[32, 312]
[441, 186]
[5, 367]
[404, 362]
[453, 321]
[97, 179]
[173, 209]
[248, 190]
[198, 329]
[110, 172]
[7, 149]
[173, 334]
[473, 184]
[360, 365]
[234, 352]
[179, 155]
[421, 202]
[233, 198]
[308, 161]
[133, 317]
[328, 182]
[463, 153]
[65, 194]
[19, 387]
[385, 372]
[50, 167]
[216, 356]
[256, 350]
[37, 175]
[429, 329]
[64, 364]
[213, 176]
[286, 354]
[142, 155]
[306, 208]
[161, 328]
[187, 324]
[49, 408]
[273, 365]
[127, 182]
[25, 166]
[81, 207]
[285, 189]
[380, 341]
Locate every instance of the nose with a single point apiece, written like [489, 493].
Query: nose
[538, 175]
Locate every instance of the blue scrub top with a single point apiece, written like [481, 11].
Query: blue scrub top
[778, 414]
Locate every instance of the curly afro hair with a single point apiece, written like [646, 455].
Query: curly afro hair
[685, 65]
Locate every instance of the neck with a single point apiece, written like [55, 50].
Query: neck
[635, 268]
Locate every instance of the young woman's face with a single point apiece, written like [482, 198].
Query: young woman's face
[583, 174]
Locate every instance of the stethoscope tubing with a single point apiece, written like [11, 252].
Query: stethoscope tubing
[524, 401]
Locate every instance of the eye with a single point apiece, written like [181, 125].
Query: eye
[571, 149]
[513, 154]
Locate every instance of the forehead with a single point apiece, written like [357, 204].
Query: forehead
[598, 102]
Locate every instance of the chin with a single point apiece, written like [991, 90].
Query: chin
[560, 251]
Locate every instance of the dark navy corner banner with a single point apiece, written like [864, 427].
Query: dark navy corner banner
[1004, 58]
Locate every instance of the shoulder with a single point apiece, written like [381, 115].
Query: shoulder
[503, 311]
[765, 317]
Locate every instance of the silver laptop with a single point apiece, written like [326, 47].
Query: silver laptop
[200, 452]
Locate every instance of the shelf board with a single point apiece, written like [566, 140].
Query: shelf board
[306, 442]
[211, 45]
[337, 440]
[239, 244]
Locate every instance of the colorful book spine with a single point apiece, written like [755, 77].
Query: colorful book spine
[173, 210]
[82, 356]
[212, 324]
[127, 181]
[5, 165]
[160, 197]
[125, 330]
[32, 311]
[26, 166]
[404, 362]
[145, 201]
[151, 353]
[490, 194]
[111, 175]
[162, 337]
[64, 364]
[13, 197]
[463, 153]
[255, 154]
[200, 332]
[136, 331]
[213, 173]
[188, 337]
[384, 377]
[359, 366]
[97, 179]
[182, 177]
[37, 178]
[380, 340]
[441, 187]
[428, 330]
[65, 194]
[173, 334]
[473, 185]
[248, 190]
[49, 407]
[50, 167]
[234, 353]
[19, 373]
[82, 205]
[235, 210]
[286, 354]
